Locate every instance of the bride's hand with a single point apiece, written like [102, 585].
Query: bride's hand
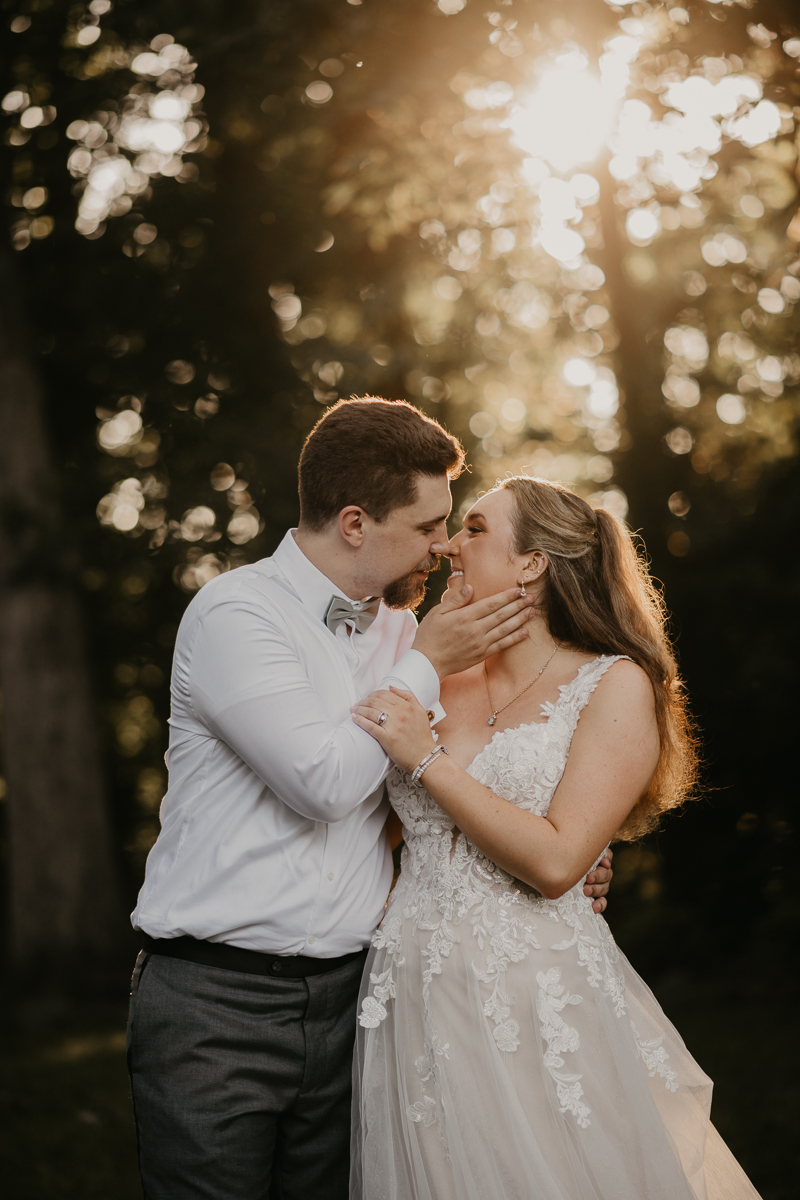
[405, 734]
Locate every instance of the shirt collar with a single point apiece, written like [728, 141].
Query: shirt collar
[312, 587]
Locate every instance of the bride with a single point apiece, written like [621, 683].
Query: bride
[507, 1050]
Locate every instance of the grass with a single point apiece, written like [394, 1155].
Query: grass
[67, 1132]
[66, 1123]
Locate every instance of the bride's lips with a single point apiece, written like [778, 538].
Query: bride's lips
[455, 574]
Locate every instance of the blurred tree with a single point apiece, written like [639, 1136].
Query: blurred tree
[65, 912]
[565, 229]
[98, 305]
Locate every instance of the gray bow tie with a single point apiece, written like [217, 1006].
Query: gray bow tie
[361, 612]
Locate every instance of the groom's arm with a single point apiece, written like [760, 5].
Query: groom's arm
[249, 687]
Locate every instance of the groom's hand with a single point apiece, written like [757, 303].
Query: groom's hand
[455, 635]
[598, 882]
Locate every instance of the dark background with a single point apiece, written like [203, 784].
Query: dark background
[92, 320]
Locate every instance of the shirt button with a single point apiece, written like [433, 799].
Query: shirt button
[330, 874]
[311, 940]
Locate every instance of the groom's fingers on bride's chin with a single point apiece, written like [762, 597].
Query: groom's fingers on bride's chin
[510, 640]
[507, 620]
[493, 606]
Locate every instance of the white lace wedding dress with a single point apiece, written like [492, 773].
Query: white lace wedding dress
[506, 1048]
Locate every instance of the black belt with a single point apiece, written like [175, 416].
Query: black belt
[250, 962]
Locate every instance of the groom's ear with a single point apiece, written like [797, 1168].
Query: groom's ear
[351, 525]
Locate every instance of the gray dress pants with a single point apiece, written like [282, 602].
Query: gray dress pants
[241, 1083]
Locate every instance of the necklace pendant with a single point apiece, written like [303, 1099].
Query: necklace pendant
[491, 720]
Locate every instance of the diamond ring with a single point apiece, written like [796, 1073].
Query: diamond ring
[383, 718]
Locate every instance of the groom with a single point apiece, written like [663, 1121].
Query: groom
[272, 867]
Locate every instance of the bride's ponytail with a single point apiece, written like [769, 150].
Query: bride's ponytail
[599, 597]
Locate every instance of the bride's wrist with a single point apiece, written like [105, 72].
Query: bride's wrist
[425, 756]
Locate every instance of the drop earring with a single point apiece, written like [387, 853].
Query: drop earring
[522, 591]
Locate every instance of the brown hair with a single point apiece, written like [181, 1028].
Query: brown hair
[599, 597]
[368, 452]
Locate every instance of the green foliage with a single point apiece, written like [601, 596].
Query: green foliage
[348, 213]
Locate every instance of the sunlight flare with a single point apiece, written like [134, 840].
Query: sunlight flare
[568, 118]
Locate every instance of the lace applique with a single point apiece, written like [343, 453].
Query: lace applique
[373, 1009]
[505, 1034]
[372, 1012]
[561, 1039]
[424, 1110]
[598, 954]
[446, 887]
[655, 1059]
[428, 1109]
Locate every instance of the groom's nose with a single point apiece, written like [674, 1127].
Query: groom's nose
[442, 547]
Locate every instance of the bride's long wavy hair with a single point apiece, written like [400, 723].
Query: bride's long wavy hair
[599, 597]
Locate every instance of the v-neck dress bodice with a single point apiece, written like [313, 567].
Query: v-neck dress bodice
[506, 1049]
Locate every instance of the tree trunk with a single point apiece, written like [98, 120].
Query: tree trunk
[644, 472]
[64, 898]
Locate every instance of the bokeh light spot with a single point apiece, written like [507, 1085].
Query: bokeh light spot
[222, 477]
[448, 287]
[679, 543]
[679, 440]
[243, 527]
[319, 92]
[197, 522]
[579, 372]
[179, 371]
[679, 504]
[482, 424]
[331, 67]
[771, 300]
[117, 434]
[731, 409]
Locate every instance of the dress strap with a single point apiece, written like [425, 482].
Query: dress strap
[575, 695]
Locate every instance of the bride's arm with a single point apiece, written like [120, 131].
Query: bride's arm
[612, 758]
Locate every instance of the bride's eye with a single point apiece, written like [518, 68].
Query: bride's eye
[474, 529]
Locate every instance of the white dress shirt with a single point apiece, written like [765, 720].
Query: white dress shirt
[272, 827]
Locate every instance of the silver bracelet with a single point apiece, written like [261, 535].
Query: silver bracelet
[426, 762]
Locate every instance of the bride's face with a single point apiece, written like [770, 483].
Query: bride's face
[482, 553]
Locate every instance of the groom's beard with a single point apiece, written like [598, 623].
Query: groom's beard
[409, 590]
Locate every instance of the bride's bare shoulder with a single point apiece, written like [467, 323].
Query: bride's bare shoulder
[625, 685]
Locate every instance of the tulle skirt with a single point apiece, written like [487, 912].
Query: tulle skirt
[556, 1078]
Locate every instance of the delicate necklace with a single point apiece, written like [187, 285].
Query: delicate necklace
[496, 711]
